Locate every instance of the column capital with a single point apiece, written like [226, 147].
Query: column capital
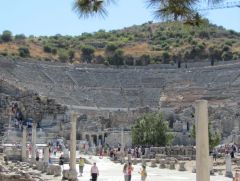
[34, 125]
[74, 116]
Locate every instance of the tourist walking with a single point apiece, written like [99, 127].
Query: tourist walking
[61, 161]
[81, 165]
[94, 172]
[129, 171]
[125, 173]
[215, 153]
[143, 173]
[37, 155]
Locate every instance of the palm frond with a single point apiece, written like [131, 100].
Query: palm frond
[214, 1]
[90, 8]
[173, 9]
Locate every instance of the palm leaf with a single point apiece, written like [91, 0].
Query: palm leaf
[89, 8]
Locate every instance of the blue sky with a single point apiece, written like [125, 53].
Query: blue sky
[50, 17]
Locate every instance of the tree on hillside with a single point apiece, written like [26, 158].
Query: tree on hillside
[170, 9]
[110, 49]
[87, 53]
[151, 129]
[213, 138]
[24, 52]
[114, 55]
[6, 36]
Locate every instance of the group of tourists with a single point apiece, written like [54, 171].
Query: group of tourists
[224, 150]
[94, 172]
[128, 169]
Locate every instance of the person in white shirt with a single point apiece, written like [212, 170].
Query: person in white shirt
[94, 172]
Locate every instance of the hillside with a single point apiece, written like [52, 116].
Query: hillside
[140, 45]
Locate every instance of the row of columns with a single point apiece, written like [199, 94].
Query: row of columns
[202, 145]
[94, 138]
[34, 148]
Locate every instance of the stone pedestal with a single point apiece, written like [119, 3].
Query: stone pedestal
[202, 145]
[211, 170]
[24, 144]
[147, 152]
[50, 170]
[57, 171]
[162, 163]
[228, 166]
[172, 165]
[182, 166]
[153, 163]
[69, 175]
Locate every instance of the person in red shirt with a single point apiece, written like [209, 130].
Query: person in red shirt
[129, 171]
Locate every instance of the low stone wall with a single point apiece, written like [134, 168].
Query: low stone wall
[13, 153]
[179, 152]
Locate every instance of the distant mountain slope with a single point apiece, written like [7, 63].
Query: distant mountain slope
[140, 45]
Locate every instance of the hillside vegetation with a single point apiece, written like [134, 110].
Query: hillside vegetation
[139, 45]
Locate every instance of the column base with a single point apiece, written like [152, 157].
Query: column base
[229, 175]
[70, 175]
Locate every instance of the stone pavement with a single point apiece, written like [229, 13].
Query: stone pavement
[110, 171]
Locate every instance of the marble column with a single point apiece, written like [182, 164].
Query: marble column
[46, 155]
[228, 161]
[92, 140]
[122, 141]
[202, 144]
[24, 143]
[122, 147]
[73, 172]
[97, 140]
[84, 136]
[34, 139]
[103, 139]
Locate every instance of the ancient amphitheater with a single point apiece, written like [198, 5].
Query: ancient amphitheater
[113, 97]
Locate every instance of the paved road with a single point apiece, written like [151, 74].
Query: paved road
[113, 172]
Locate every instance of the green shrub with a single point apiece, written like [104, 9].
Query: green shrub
[235, 57]
[71, 54]
[87, 53]
[63, 56]
[129, 60]
[24, 52]
[226, 48]
[54, 51]
[166, 57]
[6, 36]
[227, 56]
[144, 59]
[20, 37]
[99, 59]
[4, 54]
[117, 58]
[47, 49]
[106, 63]
[110, 48]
